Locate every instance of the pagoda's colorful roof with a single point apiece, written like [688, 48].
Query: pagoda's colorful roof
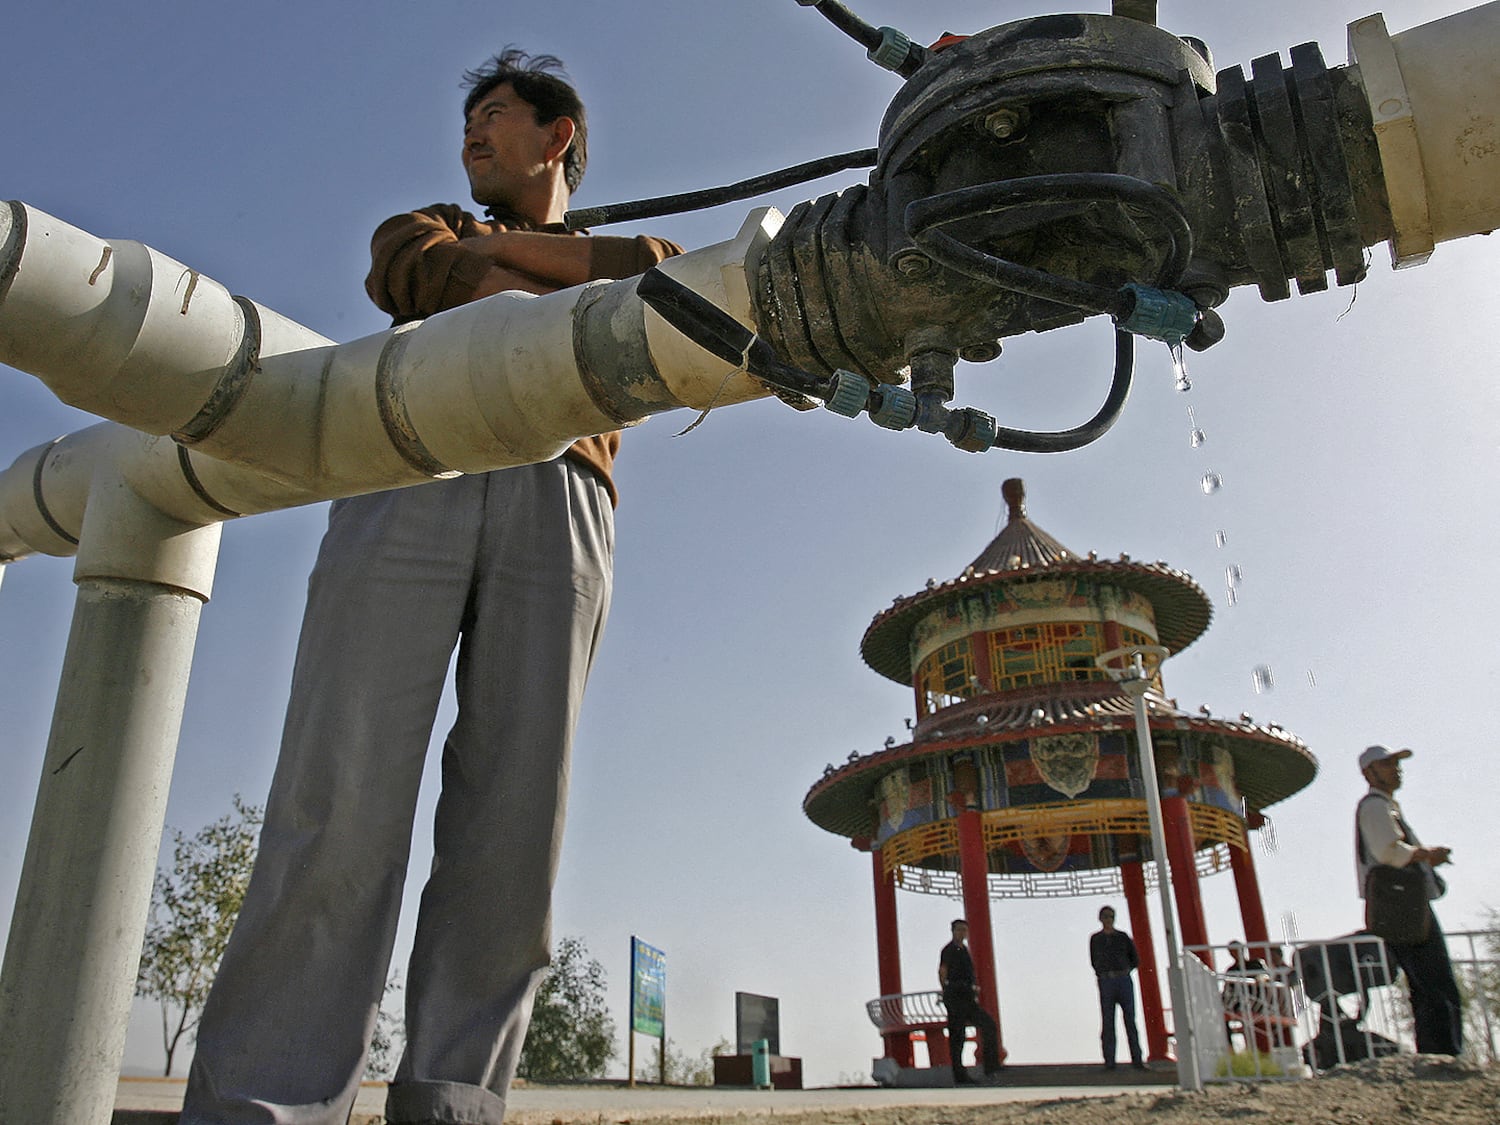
[1020, 542]
[1023, 552]
[1270, 762]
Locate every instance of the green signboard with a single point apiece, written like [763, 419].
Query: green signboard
[648, 989]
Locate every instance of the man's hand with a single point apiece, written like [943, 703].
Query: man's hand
[1436, 856]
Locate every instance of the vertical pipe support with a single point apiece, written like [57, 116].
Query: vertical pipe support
[85, 891]
[1134, 880]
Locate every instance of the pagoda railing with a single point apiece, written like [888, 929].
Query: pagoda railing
[903, 1011]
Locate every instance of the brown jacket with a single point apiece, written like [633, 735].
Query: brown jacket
[419, 266]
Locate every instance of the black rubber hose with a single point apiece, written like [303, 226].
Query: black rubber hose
[713, 197]
[1065, 441]
[718, 333]
[925, 216]
[867, 35]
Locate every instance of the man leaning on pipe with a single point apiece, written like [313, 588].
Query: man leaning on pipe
[514, 567]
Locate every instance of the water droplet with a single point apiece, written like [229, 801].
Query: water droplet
[1262, 679]
[1211, 483]
[1312, 681]
[1039, 714]
[1233, 575]
[1179, 368]
[1220, 538]
[1231, 596]
[1196, 436]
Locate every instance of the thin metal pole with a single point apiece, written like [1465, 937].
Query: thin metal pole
[630, 1024]
[1188, 1076]
[1135, 682]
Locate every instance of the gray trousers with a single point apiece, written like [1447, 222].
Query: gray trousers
[515, 567]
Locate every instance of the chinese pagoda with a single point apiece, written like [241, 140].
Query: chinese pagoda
[1022, 778]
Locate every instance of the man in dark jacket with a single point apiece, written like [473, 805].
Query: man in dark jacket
[1114, 958]
[961, 998]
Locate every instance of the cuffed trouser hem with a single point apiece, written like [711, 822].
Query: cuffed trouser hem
[442, 1103]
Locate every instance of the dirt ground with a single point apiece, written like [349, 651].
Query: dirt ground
[1425, 1090]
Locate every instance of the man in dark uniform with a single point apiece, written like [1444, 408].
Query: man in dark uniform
[961, 998]
[1114, 959]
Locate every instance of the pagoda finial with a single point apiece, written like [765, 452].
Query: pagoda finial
[1014, 493]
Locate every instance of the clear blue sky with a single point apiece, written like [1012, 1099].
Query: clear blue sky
[1356, 439]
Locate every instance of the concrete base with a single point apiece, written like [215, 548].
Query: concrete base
[157, 1101]
[1041, 1075]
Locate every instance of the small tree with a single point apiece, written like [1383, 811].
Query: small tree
[685, 1070]
[389, 1039]
[1479, 986]
[193, 908]
[571, 1034]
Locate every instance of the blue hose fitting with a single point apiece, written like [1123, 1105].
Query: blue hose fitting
[895, 408]
[894, 48]
[971, 430]
[1159, 313]
[848, 392]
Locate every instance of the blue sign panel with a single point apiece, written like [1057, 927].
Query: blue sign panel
[648, 989]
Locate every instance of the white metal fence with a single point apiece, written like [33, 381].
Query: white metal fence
[1279, 1013]
[901, 1011]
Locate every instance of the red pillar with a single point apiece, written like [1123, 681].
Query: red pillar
[973, 866]
[1140, 929]
[1272, 1029]
[1252, 911]
[888, 954]
[1180, 852]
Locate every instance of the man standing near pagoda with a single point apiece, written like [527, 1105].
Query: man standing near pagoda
[1114, 958]
[961, 997]
[1382, 836]
[513, 568]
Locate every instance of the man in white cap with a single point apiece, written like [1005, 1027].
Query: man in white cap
[1382, 836]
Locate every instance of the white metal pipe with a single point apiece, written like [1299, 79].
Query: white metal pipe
[113, 323]
[75, 937]
[286, 417]
[511, 382]
[1433, 93]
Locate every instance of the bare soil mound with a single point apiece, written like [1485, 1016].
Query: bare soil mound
[1420, 1089]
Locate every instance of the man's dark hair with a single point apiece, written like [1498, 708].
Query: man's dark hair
[539, 81]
